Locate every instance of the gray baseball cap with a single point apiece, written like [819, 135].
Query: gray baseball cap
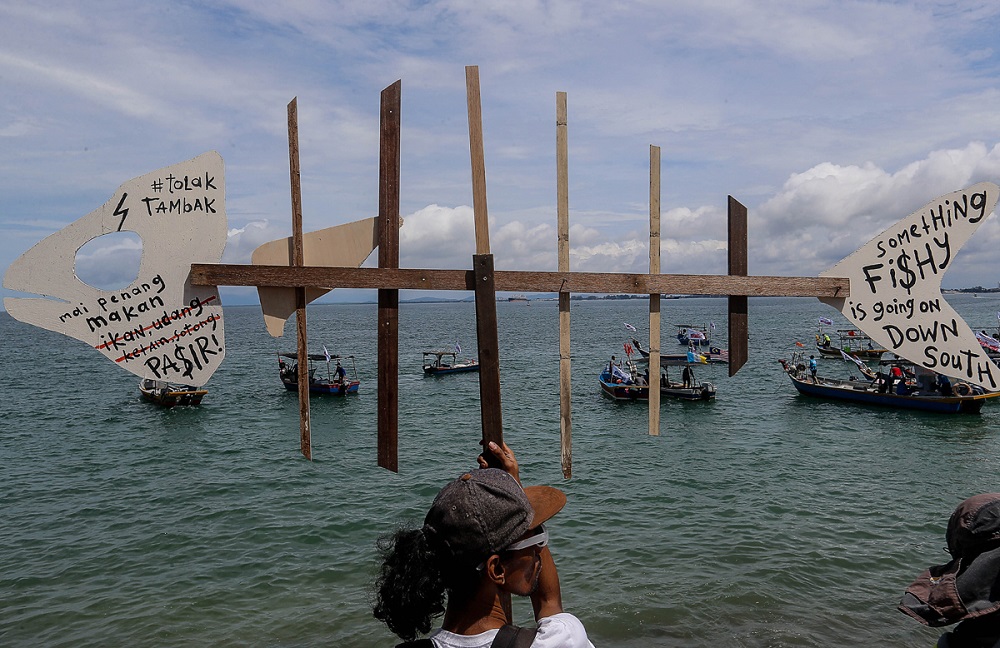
[484, 511]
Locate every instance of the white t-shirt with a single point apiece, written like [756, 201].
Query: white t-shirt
[561, 630]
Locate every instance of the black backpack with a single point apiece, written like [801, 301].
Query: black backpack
[508, 637]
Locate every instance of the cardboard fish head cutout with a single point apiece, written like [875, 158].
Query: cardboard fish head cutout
[160, 326]
[896, 287]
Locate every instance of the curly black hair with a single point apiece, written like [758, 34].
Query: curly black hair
[412, 583]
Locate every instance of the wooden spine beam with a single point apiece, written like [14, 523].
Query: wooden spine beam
[489, 354]
[387, 397]
[212, 274]
[654, 297]
[562, 209]
[479, 210]
[483, 280]
[305, 433]
[739, 327]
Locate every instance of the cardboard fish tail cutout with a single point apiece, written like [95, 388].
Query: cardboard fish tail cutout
[160, 326]
[341, 246]
[896, 287]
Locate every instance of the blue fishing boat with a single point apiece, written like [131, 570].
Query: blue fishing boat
[878, 389]
[618, 384]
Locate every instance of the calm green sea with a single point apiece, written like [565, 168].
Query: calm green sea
[762, 519]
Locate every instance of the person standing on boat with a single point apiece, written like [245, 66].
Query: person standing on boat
[341, 374]
[688, 376]
[967, 589]
[812, 367]
[482, 540]
[826, 340]
[944, 385]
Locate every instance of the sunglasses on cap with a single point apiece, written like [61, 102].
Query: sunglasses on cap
[540, 539]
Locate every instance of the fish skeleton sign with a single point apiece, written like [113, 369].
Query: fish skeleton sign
[160, 326]
[896, 287]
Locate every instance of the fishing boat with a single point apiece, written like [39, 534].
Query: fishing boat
[618, 384]
[712, 355]
[687, 389]
[688, 334]
[851, 342]
[990, 342]
[336, 380]
[167, 394]
[920, 390]
[629, 384]
[438, 363]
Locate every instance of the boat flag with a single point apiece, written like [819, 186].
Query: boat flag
[988, 342]
[861, 365]
[629, 326]
[628, 349]
[695, 335]
[620, 374]
[711, 326]
[826, 321]
[458, 348]
[696, 357]
[326, 353]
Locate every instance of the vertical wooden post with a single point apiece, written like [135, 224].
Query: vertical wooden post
[388, 299]
[654, 299]
[562, 210]
[305, 434]
[739, 331]
[482, 263]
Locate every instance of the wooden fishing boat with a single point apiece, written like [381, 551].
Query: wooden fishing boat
[438, 363]
[618, 384]
[907, 393]
[712, 355]
[850, 341]
[989, 340]
[167, 394]
[688, 334]
[335, 382]
[628, 384]
[690, 389]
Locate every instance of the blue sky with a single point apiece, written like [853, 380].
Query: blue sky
[830, 121]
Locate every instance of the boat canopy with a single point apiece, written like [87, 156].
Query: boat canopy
[318, 357]
[440, 353]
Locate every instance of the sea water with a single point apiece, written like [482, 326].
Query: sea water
[764, 518]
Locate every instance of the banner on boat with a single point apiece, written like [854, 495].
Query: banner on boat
[896, 287]
[160, 326]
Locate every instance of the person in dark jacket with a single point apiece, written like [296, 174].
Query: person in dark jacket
[967, 589]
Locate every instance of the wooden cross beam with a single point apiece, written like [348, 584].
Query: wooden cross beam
[226, 274]
[483, 280]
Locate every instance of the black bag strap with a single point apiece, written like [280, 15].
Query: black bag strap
[511, 636]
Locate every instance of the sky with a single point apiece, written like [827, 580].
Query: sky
[830, 121]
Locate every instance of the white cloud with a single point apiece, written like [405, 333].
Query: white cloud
[241, 242]
[825, 213]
